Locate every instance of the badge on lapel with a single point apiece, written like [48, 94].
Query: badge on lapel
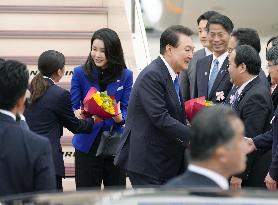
[120, 88]
[220, 96]
[232, 99]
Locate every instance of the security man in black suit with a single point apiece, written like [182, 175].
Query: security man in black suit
[216, 149]
[26, 163]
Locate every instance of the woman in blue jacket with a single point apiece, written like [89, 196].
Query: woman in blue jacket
[105, 70]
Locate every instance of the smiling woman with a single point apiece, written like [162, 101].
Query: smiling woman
[105, 70]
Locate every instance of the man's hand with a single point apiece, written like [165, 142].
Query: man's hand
[78, 114]
[235, 183]
[270, 183]
[250, 146]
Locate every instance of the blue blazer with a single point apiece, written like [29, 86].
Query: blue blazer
[80, 85]
[49, 115]
[26, 164]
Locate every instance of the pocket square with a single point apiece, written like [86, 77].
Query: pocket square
[120, 88]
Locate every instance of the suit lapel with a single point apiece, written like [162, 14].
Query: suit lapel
[169, 83]
[245, 90]
[222, 72]
[275, 92]
[205, 75]
[112, 88]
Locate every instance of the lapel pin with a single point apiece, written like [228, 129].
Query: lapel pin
[206, 73]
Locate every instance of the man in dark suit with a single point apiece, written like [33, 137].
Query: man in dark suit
[212, 76]
[216, 149]
[252, 102]
[26, 163]
[152, 145]
[188, 76]
[269, 140]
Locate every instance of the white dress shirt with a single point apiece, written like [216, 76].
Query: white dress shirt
[220, 59]
[170, 69]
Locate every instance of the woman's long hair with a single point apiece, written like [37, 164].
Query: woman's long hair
[49, 62]
[113, 53]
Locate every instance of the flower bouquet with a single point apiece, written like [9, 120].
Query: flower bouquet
[100, 104]
[193, 106]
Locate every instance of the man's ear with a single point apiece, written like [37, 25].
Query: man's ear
[242, 67]
[20, 104]
[168, 49]
[60, 73]
[220, 154]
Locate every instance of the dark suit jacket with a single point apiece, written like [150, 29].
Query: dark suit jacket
[26, 163]
[49, 115]
[264, 78]
[188, 76]
[274, 96]
[269, 141]
[152, 142]
[254, 107]
[192, 180]
[221, 83]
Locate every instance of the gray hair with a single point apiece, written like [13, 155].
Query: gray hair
[272, 55]
[275, 42]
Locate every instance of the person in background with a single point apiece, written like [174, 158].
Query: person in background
[217, 149]
[153, 143]
[26, 163]
[212, 76]
[274, 89]
[50, 108]
[250, 37]
[105, 69]
[252, 102]
[188, 76]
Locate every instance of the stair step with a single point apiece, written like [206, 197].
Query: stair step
[52, 9]
[95, 3]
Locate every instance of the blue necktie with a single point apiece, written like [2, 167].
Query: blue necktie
[213, 75]
[177, 87]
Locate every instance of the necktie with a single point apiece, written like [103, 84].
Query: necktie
[177, 87]
[213, 75]
[234, 103]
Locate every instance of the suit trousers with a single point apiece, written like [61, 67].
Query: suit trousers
[91, 171]
[59, 183]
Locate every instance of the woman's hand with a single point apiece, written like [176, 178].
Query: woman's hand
[78, 114]
[118, 118]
